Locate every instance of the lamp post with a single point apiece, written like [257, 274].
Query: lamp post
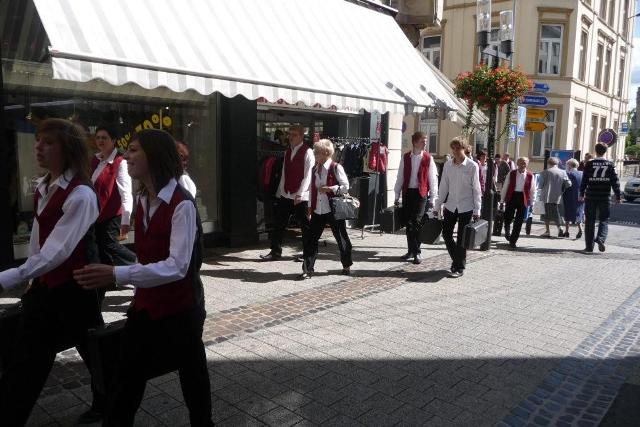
[483, 27]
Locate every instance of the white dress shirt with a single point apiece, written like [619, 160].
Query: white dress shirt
[322, 172]
[460, 187]
[303, 190]
[80, 211]
[416, 159]
[183, 235]
[123, 181]
[188, 184]
[520, 180]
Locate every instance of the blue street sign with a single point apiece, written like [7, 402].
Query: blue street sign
[624, 128]
[540, 87]
[522, 118]
[537, 100]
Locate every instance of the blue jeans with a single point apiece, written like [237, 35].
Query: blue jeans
[602, 208]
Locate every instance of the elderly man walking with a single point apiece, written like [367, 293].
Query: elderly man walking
[553, 182]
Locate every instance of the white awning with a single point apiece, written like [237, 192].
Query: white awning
[327, 53]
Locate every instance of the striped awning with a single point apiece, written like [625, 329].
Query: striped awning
[324, 53]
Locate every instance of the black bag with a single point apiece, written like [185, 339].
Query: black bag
[104, 345]
[431, 230]
[391, 219]
[9, 321]
[498, 222]
[344, 207]
[475, 234]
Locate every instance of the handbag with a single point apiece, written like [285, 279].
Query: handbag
[344, 207]
[538, 207]
[431, 230]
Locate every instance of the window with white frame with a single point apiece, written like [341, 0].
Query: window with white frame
[431, 49]
[584, 43]
[550, 49]
[430, 128]
[594, 129]
[607, 68]
[621, 76]
[625, 19]
[544, 140]
[603, 9]
[597, 79]
[612, 13]
[577, 129]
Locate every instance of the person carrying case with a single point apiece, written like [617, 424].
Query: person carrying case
[391, 221]
[475, 234]
[431, 229]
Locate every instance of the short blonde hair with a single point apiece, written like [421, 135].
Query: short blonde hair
[323, 146]
[526, 159]
[572, 163]
[554, 161]
[461, 141]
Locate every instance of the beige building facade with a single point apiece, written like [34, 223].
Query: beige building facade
[581, 49]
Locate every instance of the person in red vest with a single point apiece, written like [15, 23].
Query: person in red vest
[518, 192]
[417, 178]
[165, 321]
[328, 179]
[56, 311]
[293, 191]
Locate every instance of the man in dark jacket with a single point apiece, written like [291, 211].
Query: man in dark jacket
[598, 179]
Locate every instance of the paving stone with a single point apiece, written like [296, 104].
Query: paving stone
[256, 405]
[280, 417]
[316, 412]
[158, 404]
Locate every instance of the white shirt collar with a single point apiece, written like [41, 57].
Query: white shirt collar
[416, 155]
[109, 159]
[600, 158]
[62, 181]
[464, 162]
[327, 164]
[167, 191]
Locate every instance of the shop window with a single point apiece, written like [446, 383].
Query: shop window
[577, 129]
[544, 140]
[550, 49]
[431, 50]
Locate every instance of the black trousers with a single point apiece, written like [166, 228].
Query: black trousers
[52, 320]
[516, 207]
[414, 207]
[339, 229]
[147, 344]
[284, 209]
[456, 250]
[111, 251]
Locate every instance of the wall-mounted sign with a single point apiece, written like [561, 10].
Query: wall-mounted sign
[535, 126]
[535, 113]
[540, 87]
[608, 137]
[537, 100]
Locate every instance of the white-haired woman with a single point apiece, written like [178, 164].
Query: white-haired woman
[328, 179]
[573, 208]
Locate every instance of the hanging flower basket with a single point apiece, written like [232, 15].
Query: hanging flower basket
[487, 87]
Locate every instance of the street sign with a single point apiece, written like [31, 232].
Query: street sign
[535, 126]
[540, 87]
[535, 113]
[522, 117]
[537, 100]
[624, 128]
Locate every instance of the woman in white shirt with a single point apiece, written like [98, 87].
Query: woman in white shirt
[328, 180]
[164, 324]
[56, 311]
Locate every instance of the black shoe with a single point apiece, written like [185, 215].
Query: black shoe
[512, 245]
[90, 417]
[579, 235]
[560, 232]
[587, 251]
[601, 246]
[417, 259]
[298, 257]
[407, 256]
[454, 274]
[566, 234]
[346, 271]
[271, 256]
[304, 276]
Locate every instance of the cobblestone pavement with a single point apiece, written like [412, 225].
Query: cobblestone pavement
[543, 336]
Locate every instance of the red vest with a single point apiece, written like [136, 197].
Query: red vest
[107, 188]
[423, 173]
[331, 180]
[152, 246]
[294, 169]
[512, 186]
[47, 220]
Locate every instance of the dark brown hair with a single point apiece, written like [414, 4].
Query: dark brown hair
[162, 156]
[110, 130]
[72, 139]
[183, 153]
[418, 136]
[600, 149]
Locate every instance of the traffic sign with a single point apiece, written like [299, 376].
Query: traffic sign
[522, 117]
[540, 87]
[608, 137]
[535, 126]
[624, 128]
[537, 100]
[535, 113]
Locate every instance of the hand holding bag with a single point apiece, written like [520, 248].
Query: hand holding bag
[344, 207]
